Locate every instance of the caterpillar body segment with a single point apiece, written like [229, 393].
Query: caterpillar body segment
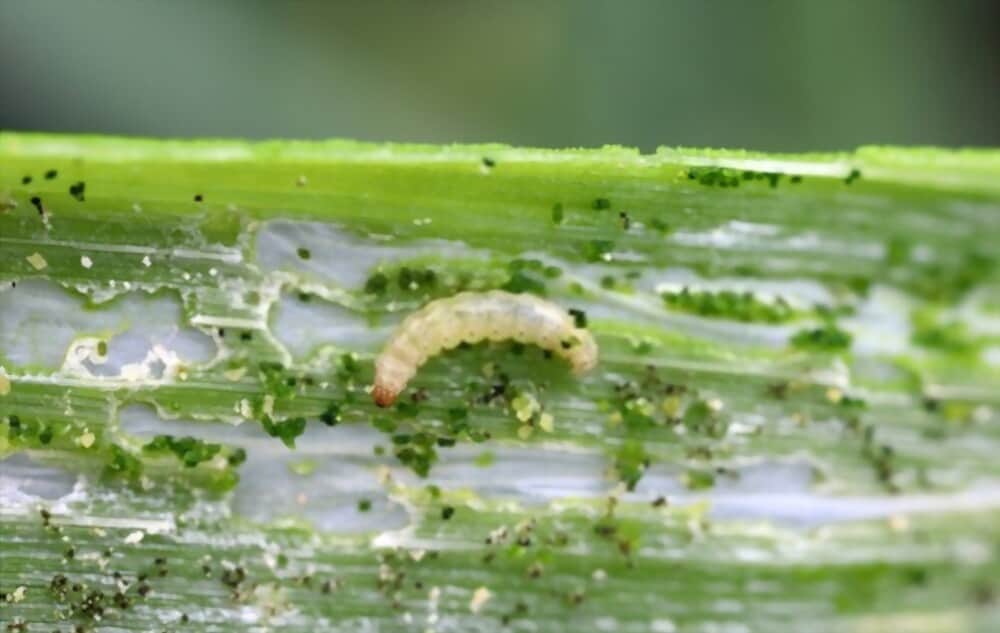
[470, 317]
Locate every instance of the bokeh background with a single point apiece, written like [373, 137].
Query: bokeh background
[772, 75]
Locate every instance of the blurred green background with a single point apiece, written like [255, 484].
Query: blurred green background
[774, 75]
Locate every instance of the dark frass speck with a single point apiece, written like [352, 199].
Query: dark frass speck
[77, 189]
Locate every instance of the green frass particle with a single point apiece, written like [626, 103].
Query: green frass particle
[237, 457]
[631, 462]
[827, 338]
[698, 479]
[597, 250]
[331, 415]
[601, 204]
[521, 282]
[286, 430]
[377, 284]
[190, 450]
[727, 304]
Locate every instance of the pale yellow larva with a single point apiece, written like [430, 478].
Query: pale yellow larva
[471, 317]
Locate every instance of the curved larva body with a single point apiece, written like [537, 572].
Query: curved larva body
[472, 317]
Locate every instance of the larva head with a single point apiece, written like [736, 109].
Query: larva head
[393, 370]
[383, 395]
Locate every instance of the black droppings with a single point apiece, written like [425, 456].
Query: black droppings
[447, 512]
[246, 336]
[579, 317]
[851, 177]
[778, 390]
[625, 219]
[26, 180]
[198, 197]
[50, 174]
[303, 253]
[331, 415]
[489, 162]
[601, 204]
[76, 190]
[37, 202]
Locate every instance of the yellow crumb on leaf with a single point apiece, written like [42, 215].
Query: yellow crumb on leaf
[546, 422]
[37, 261]
[134, 537]
[304, 467]
[525, 406]
[234, 375]
[899, 523]
[671, 405]
[479, 598]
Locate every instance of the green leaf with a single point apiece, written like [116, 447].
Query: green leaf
[792, 424]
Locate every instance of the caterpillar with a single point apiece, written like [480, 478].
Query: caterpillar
[471, 317]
